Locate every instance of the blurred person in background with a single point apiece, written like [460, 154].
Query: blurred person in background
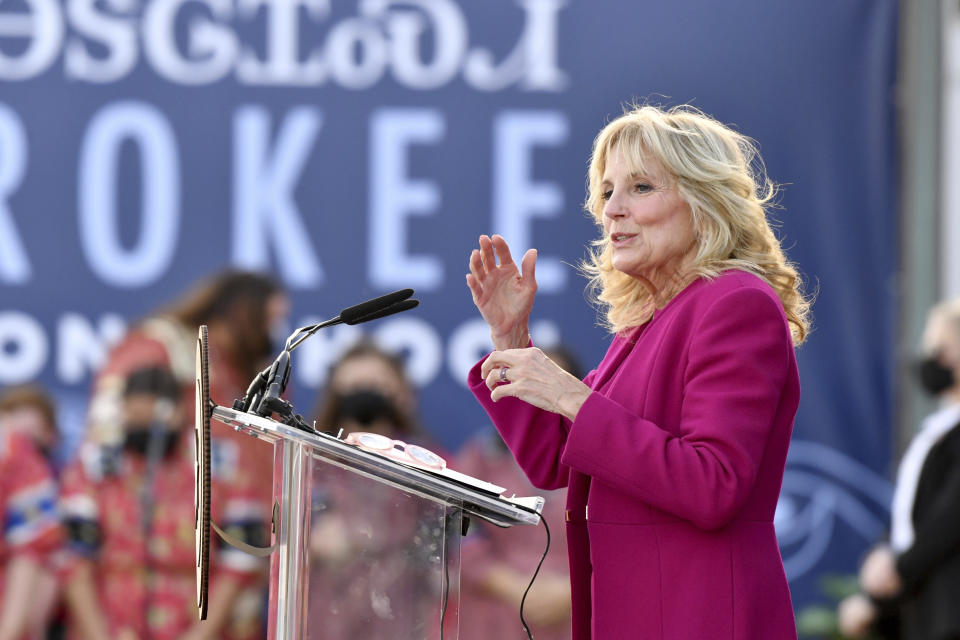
[30, 410]
[243, 311]
[130, 571]
[31, 533]
[673, 449]
[498, 563]
[368, 576]
[918, 573]
[368, 390]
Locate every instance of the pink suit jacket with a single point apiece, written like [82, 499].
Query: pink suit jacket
[673, 467]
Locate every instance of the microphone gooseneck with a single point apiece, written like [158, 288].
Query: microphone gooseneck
[363, 312]
[263, 396]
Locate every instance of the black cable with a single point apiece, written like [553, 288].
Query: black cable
[446, 594]
[446, 574]
[527, 590]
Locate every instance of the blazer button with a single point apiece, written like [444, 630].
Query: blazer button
[569, 516]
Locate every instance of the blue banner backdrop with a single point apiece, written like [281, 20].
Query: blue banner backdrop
[355, 148]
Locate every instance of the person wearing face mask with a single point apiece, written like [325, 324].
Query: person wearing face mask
[368, 578]
[917, 575]
[368, 390]
[128, 511]
[244, 312]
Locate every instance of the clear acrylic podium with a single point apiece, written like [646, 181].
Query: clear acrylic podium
[365, 547]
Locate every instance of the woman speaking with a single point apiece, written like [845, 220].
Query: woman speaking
[673, 448]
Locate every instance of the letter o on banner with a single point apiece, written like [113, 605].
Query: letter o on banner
[419, 340]
[23, 348]
[153, 136]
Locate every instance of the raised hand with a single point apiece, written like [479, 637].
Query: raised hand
[502, 293]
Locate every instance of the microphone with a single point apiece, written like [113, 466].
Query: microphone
[277, 379]
[256, 387]
[403, 305]
[363, 312]
[263, 394]
[353, 314]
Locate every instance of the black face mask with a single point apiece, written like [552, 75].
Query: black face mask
[365, 407]
[137, 440]
[935, 378]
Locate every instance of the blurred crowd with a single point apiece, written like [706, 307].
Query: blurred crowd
[102, 545]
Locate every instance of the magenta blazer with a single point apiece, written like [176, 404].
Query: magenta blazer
[673, 467]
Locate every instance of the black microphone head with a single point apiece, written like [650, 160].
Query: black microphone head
[352, 315]
[397, 307]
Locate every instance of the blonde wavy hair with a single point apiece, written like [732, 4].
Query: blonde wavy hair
[720, 175]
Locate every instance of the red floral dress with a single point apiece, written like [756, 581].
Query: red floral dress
[141, 539]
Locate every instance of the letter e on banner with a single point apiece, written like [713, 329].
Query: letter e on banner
[394, 197]
[43, 29]
[517, 198]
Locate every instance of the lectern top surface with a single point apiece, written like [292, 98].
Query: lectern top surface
[447, 486]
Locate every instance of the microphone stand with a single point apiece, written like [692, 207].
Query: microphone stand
[263, 396]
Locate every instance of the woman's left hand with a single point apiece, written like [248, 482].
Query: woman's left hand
[528, 374]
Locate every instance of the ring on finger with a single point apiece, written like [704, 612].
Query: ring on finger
[503, 375]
